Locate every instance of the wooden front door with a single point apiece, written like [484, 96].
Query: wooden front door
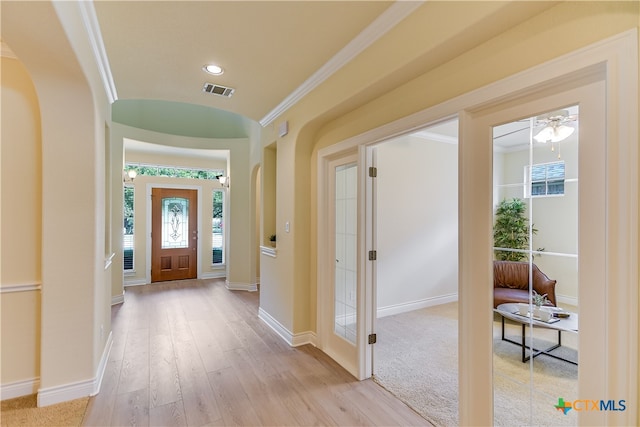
[174, 234]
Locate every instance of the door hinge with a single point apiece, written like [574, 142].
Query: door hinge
[373, 338]
[373, 171]
[373, 255]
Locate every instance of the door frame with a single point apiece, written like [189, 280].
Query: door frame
[200, 228]
[477, 181]
[618, 56]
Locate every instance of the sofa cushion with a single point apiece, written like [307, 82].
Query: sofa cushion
[505, 295]
[511, 282]
[509, 274]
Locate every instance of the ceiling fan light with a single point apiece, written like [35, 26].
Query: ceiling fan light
[554, 133]
[562, 132]
[545, 135]
[213, 69]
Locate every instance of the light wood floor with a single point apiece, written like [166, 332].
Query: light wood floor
[193, 353]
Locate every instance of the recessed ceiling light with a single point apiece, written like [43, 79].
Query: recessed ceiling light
[213, 69]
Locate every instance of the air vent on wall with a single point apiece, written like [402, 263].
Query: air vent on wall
[218, 90]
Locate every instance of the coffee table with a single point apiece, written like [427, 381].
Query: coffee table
[569, 324]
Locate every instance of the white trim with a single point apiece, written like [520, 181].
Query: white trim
[135, 282]
[102, 366]
[63, 393]
[117, 299]
[437, 137]
[565, 299]
[108, 261]
[379, 27]
[240, 286]
[272, 252]
[92, 26]
[21, 287]
[294, 340]
[304, 338]
[390, 310]
[214, 274]
[19, 388]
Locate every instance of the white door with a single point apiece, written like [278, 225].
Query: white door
[340, 316]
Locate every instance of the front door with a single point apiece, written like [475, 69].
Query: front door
[174, 234]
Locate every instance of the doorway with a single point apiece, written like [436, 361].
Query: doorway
[174, 235]
[416, 277]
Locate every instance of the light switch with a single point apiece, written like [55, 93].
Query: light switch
[286, 226]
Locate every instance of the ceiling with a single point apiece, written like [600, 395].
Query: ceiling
[269, 50]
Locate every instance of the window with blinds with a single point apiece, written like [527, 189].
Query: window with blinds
[127, 249]
[545, 179]
[217, 236]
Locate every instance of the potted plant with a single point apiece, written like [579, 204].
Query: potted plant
[511, 229]
[539, 301]
[272, 240]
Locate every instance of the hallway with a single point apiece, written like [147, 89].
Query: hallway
[193, 353]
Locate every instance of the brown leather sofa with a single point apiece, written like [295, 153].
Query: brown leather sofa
[511, 283]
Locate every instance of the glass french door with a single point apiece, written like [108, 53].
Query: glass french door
[341, 325]
[547, 247]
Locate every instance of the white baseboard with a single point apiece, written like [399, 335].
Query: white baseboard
[117, 299]
[415, 305]
[63, 393]
[564, 299]
[294, 340]
[238, 286]
[135, 282]
[102, 366]
[305, 338]
[19, 388]
[214, 275]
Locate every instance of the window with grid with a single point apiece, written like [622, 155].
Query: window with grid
[544, 179]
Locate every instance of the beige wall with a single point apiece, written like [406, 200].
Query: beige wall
[21, 236]
[74, 307]
[394, 78]
[516, 49]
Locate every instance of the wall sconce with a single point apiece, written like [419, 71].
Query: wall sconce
[129, 176]
[224, 181]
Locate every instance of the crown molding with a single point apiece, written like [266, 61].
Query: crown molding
[92, 26]
[437, 137]
[385, 22]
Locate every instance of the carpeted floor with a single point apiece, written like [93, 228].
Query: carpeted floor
[416, 358]
[23, 411]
